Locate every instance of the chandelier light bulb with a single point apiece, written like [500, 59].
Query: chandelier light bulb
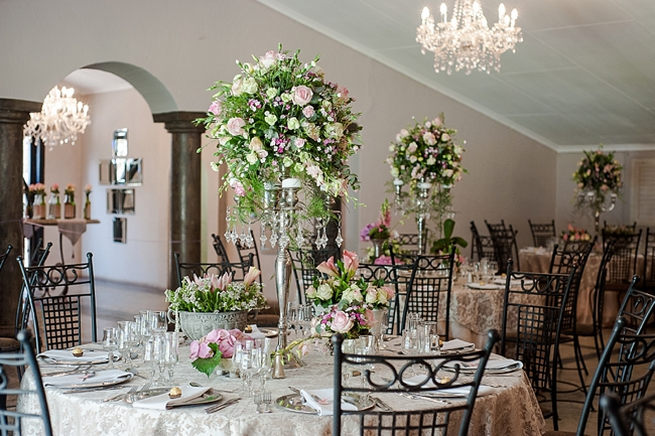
[467, 42]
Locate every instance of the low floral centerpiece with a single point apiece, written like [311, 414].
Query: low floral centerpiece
[208, 352]
[573, 233]
[343, 303]
[36, 193]
[383, 239]
[210, 302]
[69, 201]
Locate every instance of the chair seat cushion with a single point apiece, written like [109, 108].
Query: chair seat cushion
[8, 344]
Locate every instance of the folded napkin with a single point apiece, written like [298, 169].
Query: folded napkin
[81, 379]
[456, 344]
[163, 401]
[324, 406]
[456, 391]
[66, 356]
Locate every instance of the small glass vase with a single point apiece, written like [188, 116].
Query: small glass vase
[54, 207]
[38, 209]
[87, 207]
[69, 206]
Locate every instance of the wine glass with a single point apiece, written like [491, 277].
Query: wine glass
[158, 321]
[170, 354]
[110, 343]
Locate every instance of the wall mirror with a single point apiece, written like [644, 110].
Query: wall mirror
[119, 144]
[120, 230]
[121, 171]
[120, 201]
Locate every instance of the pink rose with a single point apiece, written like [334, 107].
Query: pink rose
[429, 138]
[215, 108]
[226, 345]
[308, 111]
[350, 261]
[200, 350]
[369, 317]
[299, 142]
[389, 290]
[328, 267]
[235, 126]
[341, 322]
[301, 95]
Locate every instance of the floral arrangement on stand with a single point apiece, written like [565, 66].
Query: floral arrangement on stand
[211, 293]
[208, 352]
[344, 304]
[383, 238]
[573, 233]
[280, 118]
[599, 173]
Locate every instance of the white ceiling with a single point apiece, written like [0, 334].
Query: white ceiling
[584, 75]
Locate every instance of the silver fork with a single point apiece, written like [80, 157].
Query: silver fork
[121, 395]
[227, 403]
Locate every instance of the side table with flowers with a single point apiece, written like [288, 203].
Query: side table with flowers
[203, 304]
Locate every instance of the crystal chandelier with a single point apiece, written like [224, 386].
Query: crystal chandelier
[61, 119]
[465, 42]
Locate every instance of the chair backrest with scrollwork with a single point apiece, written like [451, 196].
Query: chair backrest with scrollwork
[58, 295]
[481, 245]
[407, 375]
[504, 241]
[623, 265]
[201, 269]
[248, 254]
[219, 248]
[429, 289]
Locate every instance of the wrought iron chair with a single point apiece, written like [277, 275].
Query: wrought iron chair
[249, 255]
[305, 262]
[624, 260]
[564, 261]
[542, 233]
[396, 276]
[625, 367]
[409, 242]
[504, 241]
[219, 248]
[23, 308]
[5, 255]
[632, 419]
[648, 273]
[638, 308]
[532, 321]
[425, 421]
[481, 245]
[429, 289]
[11, 421]
[59, 292]
[200, 269]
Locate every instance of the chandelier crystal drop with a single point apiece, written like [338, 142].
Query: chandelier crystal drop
[61, 119]
[464, 41]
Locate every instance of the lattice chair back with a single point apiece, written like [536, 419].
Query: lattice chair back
[564, 261]
[200, 269]
[406, 375]
[397, 277]
[542, 234]
[625, 367]
[5, 255]
[409, 243]
[634, 418]
[638, 308]
[58, 295]
[429, 289]
[504, 242]
[481, 245]
[623, 265]
[11, 420]
[648, 272]
[248, 254]
[533, 310]
[219, 248]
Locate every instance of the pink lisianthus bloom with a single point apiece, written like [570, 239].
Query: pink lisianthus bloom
[250, 277]
[382, 260]
[328, 267]
[238, 188]
[215, 108]
[350, 262]
[341, 322]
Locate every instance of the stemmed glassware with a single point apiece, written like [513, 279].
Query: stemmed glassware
[110, 343]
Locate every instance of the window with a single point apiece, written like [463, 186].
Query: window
[642, 207]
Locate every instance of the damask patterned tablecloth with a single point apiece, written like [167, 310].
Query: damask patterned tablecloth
[511, 409]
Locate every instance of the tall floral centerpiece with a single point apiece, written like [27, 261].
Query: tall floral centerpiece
[599, 182]
[210, 302]
[425, 157]
[283, 129]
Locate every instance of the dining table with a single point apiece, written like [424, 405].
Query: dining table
[508, 407]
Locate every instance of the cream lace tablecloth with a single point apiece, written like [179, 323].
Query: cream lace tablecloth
[511, 409]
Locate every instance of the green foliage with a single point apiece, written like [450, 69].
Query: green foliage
[208, 365]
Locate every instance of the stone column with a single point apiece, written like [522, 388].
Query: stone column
[184, 224]
[13, 115]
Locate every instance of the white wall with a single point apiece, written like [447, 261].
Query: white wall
[189, 45]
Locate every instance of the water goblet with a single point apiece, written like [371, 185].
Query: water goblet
[170, 354]
[158, 321]
[110, 343]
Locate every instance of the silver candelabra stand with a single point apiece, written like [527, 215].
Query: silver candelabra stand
[598, 205]
[421, 207]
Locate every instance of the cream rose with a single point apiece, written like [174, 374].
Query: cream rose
[235, 126]
[324, 292]
[302, 95]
